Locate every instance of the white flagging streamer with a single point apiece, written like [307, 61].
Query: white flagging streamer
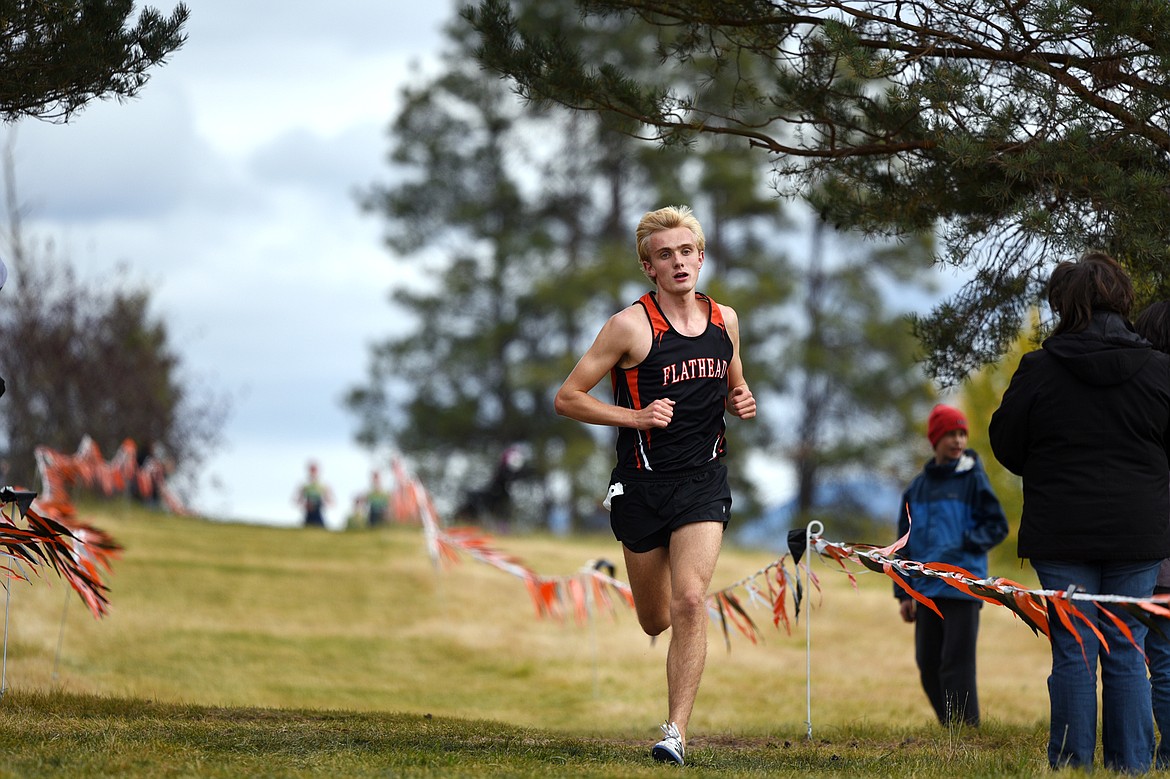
[813, 528]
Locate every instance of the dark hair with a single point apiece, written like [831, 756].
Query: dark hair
[1095, 282]
[1153, 324]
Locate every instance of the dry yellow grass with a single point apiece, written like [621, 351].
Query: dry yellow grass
[236, 615]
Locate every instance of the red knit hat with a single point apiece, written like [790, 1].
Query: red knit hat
[944, 419]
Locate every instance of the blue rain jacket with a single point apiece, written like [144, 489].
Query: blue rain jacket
[954, 518]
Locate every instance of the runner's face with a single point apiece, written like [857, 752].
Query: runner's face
[674, 260]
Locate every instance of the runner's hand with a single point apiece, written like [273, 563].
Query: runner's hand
[657, 414]
[741, 402]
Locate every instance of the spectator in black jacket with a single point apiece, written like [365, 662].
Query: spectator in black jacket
[1086, 422]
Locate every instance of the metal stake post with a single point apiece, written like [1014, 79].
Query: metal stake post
[813, 528]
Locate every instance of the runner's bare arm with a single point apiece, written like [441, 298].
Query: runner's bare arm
[619, 338]
[740, 400]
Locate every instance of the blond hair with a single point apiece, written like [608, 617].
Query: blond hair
[666, 218]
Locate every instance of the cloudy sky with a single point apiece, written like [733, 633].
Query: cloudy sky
[227, 186]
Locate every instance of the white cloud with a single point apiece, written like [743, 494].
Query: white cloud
[257, 70]
[335, 163]
[136, 160]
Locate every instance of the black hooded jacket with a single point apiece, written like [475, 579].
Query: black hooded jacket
[1086, 423]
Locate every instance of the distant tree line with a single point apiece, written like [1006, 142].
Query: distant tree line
[80, 359]
[519, 217]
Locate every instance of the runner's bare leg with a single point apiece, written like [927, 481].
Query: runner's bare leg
[670, 590]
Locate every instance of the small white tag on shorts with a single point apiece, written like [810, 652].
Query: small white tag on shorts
[615, 489]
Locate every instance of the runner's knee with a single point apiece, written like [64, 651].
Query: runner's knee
[654, 627]
[688, 604]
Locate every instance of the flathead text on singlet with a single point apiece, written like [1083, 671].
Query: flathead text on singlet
[696, 368]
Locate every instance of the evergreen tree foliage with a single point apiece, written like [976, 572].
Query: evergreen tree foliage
[1024, 133]
[57, 56]
[475, 369]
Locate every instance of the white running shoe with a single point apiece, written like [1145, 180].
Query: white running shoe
[670, 748]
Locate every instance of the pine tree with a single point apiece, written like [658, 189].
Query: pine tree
[1023, 133]
[55, 57]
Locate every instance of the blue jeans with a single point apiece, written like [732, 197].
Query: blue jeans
[1127, 721]
[1158, 656]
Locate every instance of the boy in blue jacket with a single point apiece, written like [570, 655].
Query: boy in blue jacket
[954, 517]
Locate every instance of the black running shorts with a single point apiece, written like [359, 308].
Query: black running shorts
[649, 506]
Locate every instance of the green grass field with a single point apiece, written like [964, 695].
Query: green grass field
[240, 650]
